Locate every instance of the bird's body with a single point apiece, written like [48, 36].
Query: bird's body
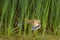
[35, 24]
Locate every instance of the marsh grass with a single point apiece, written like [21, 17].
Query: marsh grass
[16, 11]
[29, 37]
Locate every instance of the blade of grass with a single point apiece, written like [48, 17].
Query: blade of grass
[3, 13]
[10, 26]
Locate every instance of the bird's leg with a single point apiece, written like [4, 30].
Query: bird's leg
[33, 33]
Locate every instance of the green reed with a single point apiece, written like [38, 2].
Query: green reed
[11, 17]
[20, 10]
[4, 9]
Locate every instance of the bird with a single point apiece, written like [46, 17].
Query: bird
[36, 24]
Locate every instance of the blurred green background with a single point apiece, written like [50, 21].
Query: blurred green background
[13, 12]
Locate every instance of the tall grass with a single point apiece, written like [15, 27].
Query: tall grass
[45, 11]
[11, 18]
[15, 12]
[54, 17]
[4, 9]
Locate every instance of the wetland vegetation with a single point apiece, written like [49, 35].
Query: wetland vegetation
[13, 12]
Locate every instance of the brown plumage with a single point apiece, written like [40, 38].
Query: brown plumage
[36, 24]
